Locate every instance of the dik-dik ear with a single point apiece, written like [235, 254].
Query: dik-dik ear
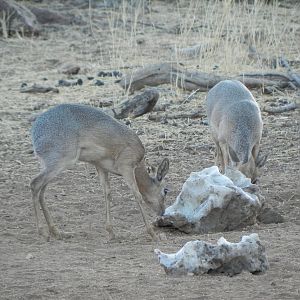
[233, 155]
[261, 160]
[162, 169]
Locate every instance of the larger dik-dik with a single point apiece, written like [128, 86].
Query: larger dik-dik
[69, 133]
[236, 126]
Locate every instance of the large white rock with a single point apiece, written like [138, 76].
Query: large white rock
[199, 257]
[210, 202]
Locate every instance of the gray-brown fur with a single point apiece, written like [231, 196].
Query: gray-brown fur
[236, 126]
[69, 133]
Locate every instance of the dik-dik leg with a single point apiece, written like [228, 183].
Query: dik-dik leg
[129, 176]
[104, 180]
[38, 186]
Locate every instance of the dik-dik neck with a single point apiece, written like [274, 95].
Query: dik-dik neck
[143, 179]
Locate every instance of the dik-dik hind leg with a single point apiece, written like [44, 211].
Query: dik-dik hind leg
[222, 155]
[38, 186]
[129, 176]
[219, 157]
[226, 161]
[36, 205]
[104, 180]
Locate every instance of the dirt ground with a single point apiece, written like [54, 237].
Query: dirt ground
[88, 266]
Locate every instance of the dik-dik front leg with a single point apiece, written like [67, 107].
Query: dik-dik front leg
[104, 180]
[129, 176]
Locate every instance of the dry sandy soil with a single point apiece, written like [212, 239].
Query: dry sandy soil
[88, 266]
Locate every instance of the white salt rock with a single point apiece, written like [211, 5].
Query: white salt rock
[199, 257]
[210, 201]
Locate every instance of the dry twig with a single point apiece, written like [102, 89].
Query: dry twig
[281, 109]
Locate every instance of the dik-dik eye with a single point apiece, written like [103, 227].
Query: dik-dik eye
[166, 191]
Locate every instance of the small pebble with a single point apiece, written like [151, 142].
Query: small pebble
[109, 74]
[23, 84]
[29, 256]
[102, 74]
[90, 77]
[63, 82]
[140, 41]
[117, 74]
[98, 82]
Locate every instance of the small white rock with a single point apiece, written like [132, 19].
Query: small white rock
[29, 256]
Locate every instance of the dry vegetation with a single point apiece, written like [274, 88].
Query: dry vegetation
[124, 38]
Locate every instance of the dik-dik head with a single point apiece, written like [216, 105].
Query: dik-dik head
[251, 167]
[151, 185]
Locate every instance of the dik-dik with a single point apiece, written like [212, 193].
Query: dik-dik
[236, 126]
[69, 133]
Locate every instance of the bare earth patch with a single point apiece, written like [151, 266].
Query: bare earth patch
[87, 266]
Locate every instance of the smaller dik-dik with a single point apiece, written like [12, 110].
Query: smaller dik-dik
[69, 133]
[236, 126]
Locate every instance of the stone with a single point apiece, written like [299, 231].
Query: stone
[63, 82]
[109, 74]
[199, 257]
[69, 69]
[98, 82]
[29, 256]
[212, 202]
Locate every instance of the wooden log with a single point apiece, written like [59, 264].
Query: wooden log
[12, 12]
[36, 88]
[46, 16]
[153, 75]
[291, 73]
[135, 107]
[281, 109]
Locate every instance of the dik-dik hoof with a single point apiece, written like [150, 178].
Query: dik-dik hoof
[111, 235]
[44, 232]
[153, 235]
[56, 233]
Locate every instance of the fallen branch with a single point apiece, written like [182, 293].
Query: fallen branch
[135, 107]
[46, 16]
[36, 88]
[157, 117]
[291, 73]
[153, 75]
[281, 109]
[190, 96]
[23, 19]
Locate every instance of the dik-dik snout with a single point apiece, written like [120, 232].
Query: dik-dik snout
[251, 168]
[236, 127]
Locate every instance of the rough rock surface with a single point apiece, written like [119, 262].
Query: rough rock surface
[199, 257]
[212, 202]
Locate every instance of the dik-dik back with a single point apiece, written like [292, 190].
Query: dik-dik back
[83, 133]
[236, 126]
